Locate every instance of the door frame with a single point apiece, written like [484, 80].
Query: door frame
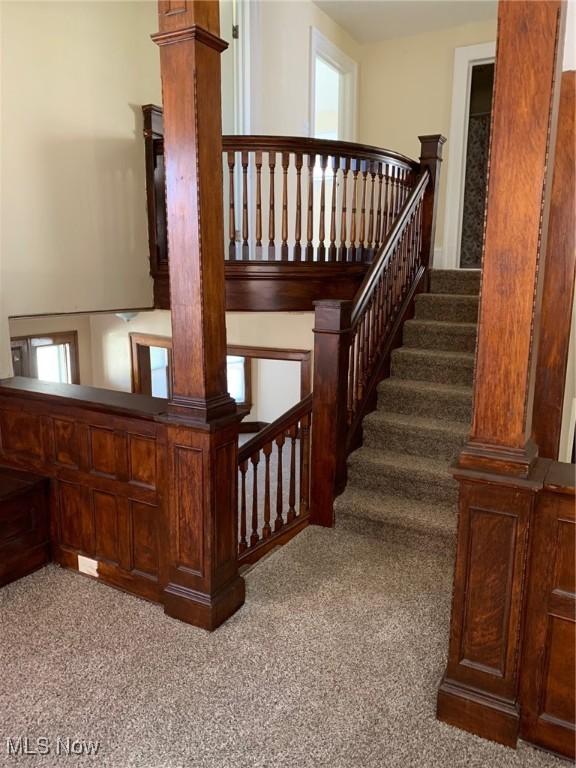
[465, 58]
[321, 46]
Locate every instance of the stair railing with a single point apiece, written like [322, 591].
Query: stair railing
[354, 339]
[274, 483]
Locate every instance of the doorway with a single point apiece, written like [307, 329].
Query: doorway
[333, 77]
[477, 146]
[467, 157]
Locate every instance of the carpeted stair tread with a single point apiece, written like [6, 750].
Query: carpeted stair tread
[415, 435]
[455, 281]
[454, 308]
[419, 477]
[434, 365]
[440, 335]
[420, 398]
[361, 504]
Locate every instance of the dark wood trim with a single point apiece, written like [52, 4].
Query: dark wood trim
[303, 356]
[499, 472]
[288, 532]
[559, 277]
[58, 337]
[252, 427]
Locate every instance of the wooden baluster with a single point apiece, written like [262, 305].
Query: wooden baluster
[371, 236]
[378, 236]
[298, 225]
[254, 536]
[350, 389]
[304, 465]
[334, 202]
[258, 162]
[352, 250]
[343, 233]
[245, 247]
[243, 544]
[322, 224]
[284, 248]
[231, 206]
[292, 432]
[271, 214]
[386, 211]
[362, 235]
[266, 529]
[310, 217]
[279, 522]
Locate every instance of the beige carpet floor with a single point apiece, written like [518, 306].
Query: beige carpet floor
[333, 662]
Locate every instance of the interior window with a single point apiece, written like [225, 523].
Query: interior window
[52, 357]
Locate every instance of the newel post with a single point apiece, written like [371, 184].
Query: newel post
[199, 568]
[430, 158]
[329, 411]
[498, 470]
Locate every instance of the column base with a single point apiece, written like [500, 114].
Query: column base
[483, 715]
[202, 610]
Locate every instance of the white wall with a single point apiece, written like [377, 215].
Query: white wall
[74, 76]
[282, 46]
[406, 91]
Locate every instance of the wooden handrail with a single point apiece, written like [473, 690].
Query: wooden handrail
[273, 505]
[270, 432]
[354, 340]
[392, 238]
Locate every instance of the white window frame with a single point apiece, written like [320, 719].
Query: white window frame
[321, 46]
[465, 58]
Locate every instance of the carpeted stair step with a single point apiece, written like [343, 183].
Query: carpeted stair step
[433, 365]
[357, 506]
[434, 334]
[414, 435]
[415, 477]
[447, 307]
[463, 281]
[422, 398]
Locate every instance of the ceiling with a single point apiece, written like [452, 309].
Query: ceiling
[371, 20]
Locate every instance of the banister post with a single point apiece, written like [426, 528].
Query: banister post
[430, 158]
[332, 322]
[199, 539]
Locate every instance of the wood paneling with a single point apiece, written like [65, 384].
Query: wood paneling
[106, 527]
[76, 521]
[24, 524]
[548, 658]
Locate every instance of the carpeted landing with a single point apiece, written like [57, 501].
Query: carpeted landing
[333, 662]
[400, 475]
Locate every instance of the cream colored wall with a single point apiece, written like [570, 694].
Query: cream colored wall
[282, 93]
[38, 326]
[74, 76]
[406, 91]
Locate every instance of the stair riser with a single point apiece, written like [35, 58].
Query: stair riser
[457, 372]
[397, 480]
[426, 337]
[452, 309]
[368, 521]
[424, 403]
[458, 281]
[416, 442]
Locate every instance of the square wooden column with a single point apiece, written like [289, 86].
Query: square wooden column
[199, 536]
[498, 470]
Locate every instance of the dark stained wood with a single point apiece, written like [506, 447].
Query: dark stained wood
[499, 473]
[431, 159]
[559, 277]
[548, 668]
[24, 524]
[516, 234]
[353, 342]
[198, 530]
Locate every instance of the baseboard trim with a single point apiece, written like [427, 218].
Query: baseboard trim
[482, 715]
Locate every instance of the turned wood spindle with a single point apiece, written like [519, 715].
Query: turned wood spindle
[243, 543]
[231, 206]
[292, 432]
[271, 214]
[245, 160]
[254, 536]
[285, 163]
[279, 522]
[310, 213]
[298, 223]
[266, 529]
[258, 163]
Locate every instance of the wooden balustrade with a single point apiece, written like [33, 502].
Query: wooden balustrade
[353, 341]
[274, 483]
[292, 198]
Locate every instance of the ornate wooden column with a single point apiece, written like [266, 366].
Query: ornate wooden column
[498, 469]
[431, 158]
[559, 275]
[199, 538]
